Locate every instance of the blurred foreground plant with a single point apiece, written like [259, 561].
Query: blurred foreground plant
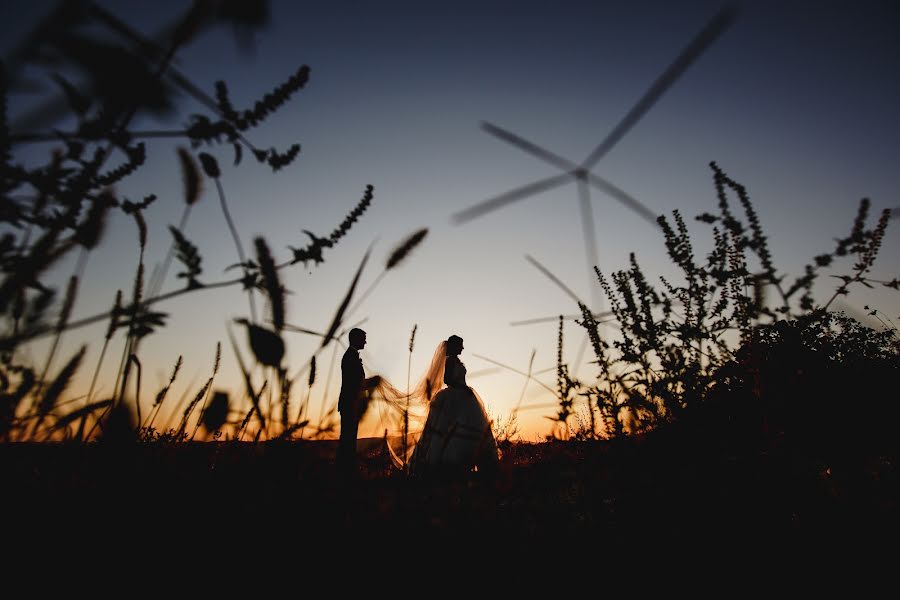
[106, 74]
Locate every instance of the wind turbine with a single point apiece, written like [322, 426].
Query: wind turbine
[581, 173]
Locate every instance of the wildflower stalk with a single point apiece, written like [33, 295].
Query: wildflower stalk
[412, 343]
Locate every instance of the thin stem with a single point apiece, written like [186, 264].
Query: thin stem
[304, 408]
[60, 136]
[325, 389]
[40, 332]
[365, 294]
[237, 241]
[159, 277]
[137, 390]
[202, 410]
[99, 421]
[269, 410]
[406, 409]
[91, 389]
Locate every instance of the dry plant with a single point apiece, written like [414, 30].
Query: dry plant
[59, 207]
[684, 343]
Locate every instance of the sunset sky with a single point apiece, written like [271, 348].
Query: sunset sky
[795, 100]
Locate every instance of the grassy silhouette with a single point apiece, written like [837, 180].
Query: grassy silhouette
[719, 388]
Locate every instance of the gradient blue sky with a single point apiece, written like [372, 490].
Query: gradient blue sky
[796, 100]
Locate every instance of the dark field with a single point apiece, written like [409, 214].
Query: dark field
[651, 489]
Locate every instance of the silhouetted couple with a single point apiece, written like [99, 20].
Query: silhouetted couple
[456, 437]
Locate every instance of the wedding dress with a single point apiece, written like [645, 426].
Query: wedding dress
[457, 434]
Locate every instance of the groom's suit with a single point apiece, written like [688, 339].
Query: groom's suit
[352, 377]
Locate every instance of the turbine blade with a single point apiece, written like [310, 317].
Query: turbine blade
[553, 278]
[587, 222]
[529, 147]
[555, 318]
[473, 212]
[701, 42]
[623, 197]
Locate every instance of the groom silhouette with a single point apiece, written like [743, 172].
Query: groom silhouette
[352, 379]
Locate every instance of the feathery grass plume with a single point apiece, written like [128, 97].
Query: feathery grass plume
[271, 283]
[90, 230]
[216, 413]
[135, 210]
[193, 403]
[162, 393]
[136, 157]
[313, 251]
[206, 395]
[412, 343]
[190, 175]
[353, 216]
[339, 316]
[210, 165]
[304, 407]
[278, 160]
[273, 100]
[285, 385]
[244, 422]
[412, 337]
[397, 256]
[137, 292]
[223, 102]
[189, 256]
[405, 247]
[57, 387]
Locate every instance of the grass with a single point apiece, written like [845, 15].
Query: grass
[654, 488]
[725, 409]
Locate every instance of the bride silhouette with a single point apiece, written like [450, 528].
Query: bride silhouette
[456, 437]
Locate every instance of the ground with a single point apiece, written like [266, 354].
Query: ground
[654, 488]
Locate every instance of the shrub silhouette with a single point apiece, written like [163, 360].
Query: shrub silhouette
[719, 348]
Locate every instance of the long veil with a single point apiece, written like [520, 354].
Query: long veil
[408, 409]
